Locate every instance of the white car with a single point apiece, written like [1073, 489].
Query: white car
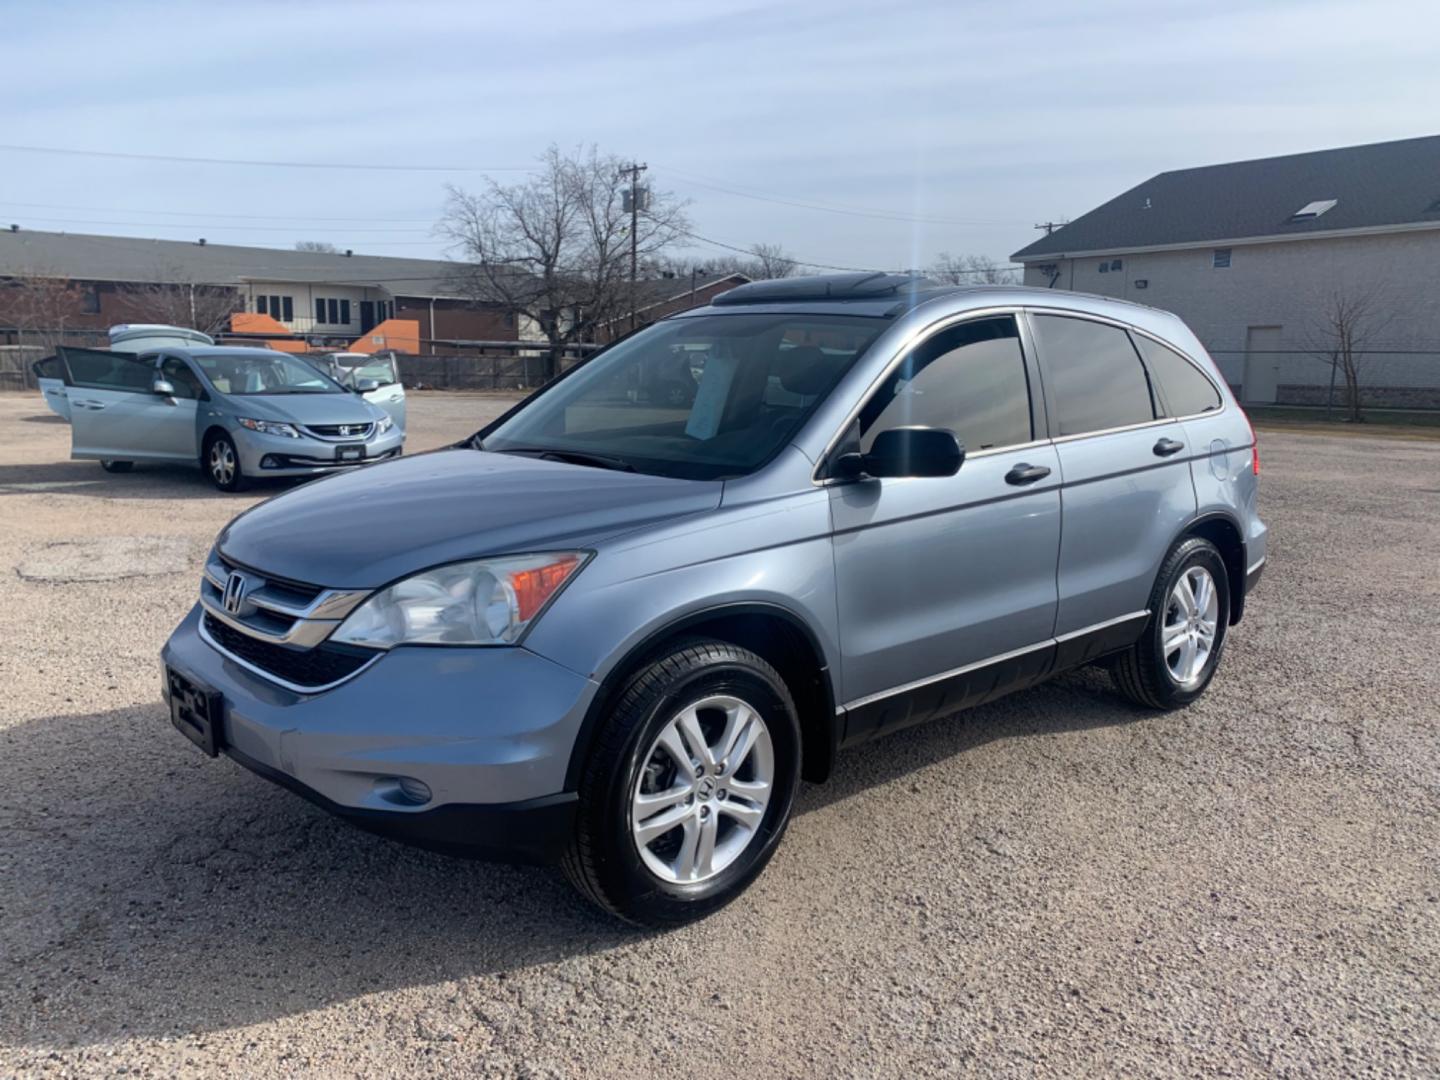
[350, 369]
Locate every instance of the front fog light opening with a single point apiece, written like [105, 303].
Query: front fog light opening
[403, 790]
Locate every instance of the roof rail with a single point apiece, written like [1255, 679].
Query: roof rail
[837, 287]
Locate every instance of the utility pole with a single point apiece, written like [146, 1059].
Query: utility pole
[1050, 226]
[634, 197]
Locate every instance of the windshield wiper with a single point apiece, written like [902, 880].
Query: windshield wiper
[573, 457]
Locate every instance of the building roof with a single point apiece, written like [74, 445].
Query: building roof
[1382, 185]
[126, 258]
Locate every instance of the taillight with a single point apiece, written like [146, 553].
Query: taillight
[1254, 444]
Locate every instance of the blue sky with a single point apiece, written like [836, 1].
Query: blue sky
[950, 126]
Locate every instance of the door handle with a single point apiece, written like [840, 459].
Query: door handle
[1166, 447]
[1026, 474]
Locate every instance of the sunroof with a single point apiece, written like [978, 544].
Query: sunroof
[1313, 209]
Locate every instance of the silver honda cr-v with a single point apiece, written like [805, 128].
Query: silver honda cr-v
[616, 630]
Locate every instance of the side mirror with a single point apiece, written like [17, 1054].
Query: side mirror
[163, 387]
[906, 452]
[364, 386]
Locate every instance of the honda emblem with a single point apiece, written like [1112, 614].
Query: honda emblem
[235, 586]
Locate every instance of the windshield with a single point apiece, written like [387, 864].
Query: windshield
[259, 372]
[702, 398]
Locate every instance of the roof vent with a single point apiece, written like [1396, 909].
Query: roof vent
[14, 228]
[348, 253]
[1312, 210]
[202, 241]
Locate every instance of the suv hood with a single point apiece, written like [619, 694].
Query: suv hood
[304, 408]
[364, 529]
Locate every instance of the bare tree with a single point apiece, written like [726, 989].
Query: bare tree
[555, 248]
[769, 261]
[177, 298]
[970, 270]
[322, 247]
[1347, 323]
[42, 306]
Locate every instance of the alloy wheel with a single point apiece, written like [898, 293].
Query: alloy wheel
[222, 462]
[701, 794]
[1192, 618]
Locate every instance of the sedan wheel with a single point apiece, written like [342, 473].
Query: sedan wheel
[223, 464]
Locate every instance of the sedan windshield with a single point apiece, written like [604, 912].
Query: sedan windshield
[260, 371]
[703, 398]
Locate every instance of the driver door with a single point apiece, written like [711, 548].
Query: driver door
[115, 413]
[946, 585]
[176, 437]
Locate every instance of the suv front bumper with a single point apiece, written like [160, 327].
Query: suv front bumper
[488, 732]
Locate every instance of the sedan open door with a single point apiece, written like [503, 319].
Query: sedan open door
[120, 413]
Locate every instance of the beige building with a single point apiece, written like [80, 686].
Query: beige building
[1258, 256]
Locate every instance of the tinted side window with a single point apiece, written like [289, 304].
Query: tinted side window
[110, 371]
[1186, 391]
[969, 379]
[179, 375]
[1094, 375]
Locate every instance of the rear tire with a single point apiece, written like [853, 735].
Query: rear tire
[688, 786]
[117, 466]
[1177, 655]
[221, 462]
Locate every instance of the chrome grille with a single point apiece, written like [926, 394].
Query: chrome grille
[340, 431]
[271, 612]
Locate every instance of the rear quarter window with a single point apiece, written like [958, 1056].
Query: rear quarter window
[1187, 392]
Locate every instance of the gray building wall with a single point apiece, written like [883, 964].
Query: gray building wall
[1286, 285]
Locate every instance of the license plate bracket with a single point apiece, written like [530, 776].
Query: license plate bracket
[196, 711]
[350, 452]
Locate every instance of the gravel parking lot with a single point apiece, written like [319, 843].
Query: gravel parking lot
[1056, 884]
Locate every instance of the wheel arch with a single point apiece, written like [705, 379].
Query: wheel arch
[1223, 531]
[209, 434]
[776, 634]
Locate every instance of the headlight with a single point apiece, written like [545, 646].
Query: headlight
[483, 602]
[384, 425]
[271, 427]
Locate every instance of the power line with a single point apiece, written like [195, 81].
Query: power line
[854, 211]
[212, 227]
[186, 160]
[830, 266]
[301, 218]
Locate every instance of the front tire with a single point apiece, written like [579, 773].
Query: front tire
[222, 464]
[688, 786]
[1176, 657]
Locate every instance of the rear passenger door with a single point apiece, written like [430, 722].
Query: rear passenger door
[1126, 489]
[946, 585]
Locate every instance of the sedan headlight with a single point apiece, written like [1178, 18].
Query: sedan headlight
[270, 427]
[384, 424]
[481, 602]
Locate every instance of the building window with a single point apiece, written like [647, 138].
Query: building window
[1220, 259]
[90, 300]
[319, 310]
[262, 305]
[345, 312]
[333, 307]
[288, 306]
[274, 306]
[1115, 264]
[1104, 267]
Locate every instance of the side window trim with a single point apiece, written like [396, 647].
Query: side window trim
[1050, 405]
[1136, 331]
